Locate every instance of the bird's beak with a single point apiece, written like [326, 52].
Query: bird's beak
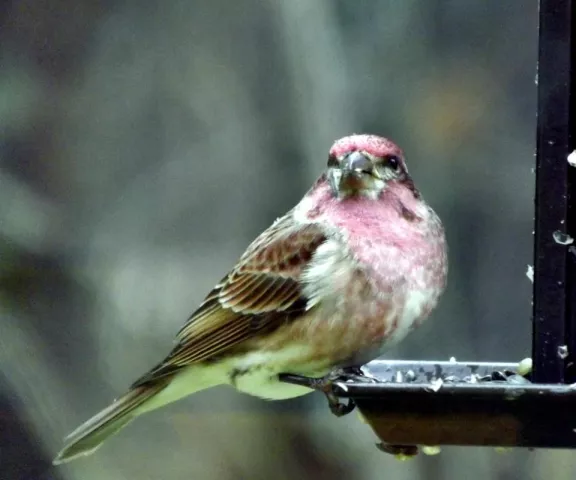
[356, 164]
[354, 174]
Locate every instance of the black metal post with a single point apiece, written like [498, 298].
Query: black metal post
[554, 335]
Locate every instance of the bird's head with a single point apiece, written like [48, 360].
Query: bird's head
[363, 165]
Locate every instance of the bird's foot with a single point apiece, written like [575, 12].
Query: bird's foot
[338, 408]
[325, 384]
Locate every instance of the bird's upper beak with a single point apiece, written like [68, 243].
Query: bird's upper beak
[355, 171]
[356, 164]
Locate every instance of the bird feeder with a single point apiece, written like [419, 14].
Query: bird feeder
[415, 403]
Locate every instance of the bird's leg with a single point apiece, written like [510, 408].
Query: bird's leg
[324, 385]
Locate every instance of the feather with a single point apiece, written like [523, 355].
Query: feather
[90, 435]
[262, 292]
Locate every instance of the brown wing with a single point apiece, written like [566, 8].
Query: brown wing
[261, 293]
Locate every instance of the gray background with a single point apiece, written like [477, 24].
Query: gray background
[144, 144]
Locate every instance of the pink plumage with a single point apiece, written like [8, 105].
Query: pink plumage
[387, 264]
[350, 270]
[373, 144]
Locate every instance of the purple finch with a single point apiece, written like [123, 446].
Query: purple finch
[350, 270]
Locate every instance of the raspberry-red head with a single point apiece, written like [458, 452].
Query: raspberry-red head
[372, 144]
[364, 164]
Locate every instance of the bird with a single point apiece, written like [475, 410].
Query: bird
[348, 272]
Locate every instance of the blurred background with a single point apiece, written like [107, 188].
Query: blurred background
[144, 144]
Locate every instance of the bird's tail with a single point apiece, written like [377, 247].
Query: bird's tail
[90, 435]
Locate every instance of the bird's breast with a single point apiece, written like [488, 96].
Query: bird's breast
[364, 303]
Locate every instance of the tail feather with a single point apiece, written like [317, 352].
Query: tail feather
[90, 435]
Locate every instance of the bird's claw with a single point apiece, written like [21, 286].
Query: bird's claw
[338, 408]
[347, 374]
[325, 385]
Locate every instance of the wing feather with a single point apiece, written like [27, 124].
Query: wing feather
[261, 293]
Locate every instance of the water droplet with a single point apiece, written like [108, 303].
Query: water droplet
[562, 238]
[572, 159]
[563, 351]
[551, 142]
[530, 273]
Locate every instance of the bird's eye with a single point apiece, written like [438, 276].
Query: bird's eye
[332, 161]
[392, 161]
